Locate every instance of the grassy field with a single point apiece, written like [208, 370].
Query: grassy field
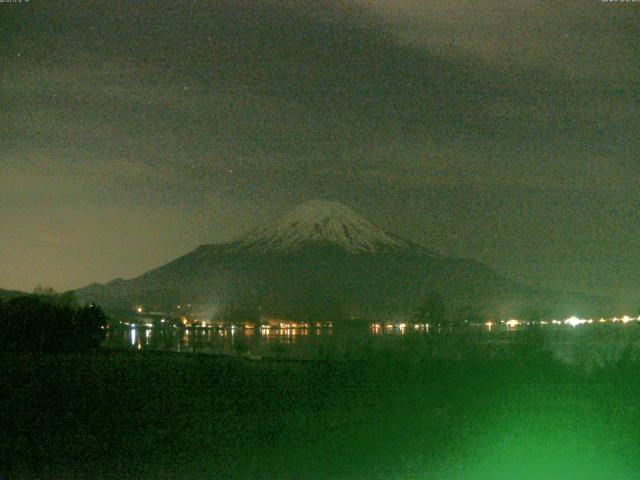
[162, 415]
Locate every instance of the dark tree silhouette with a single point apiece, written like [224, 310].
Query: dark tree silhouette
[49, 323]
[431, 309]
[238, 313]
[469, 314]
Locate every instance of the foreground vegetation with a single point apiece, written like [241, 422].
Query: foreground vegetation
[46, 322]
[160, 415]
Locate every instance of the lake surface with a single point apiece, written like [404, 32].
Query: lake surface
[589, 345]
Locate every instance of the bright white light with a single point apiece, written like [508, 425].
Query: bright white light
[139, 309]
[574, 321]
[513, 323]
[626, 319]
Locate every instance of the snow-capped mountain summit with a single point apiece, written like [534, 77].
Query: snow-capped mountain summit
[327, 223]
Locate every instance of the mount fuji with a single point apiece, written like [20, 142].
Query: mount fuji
[325, 223]
[323, 260]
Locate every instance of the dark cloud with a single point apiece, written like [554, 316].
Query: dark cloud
[500, 131]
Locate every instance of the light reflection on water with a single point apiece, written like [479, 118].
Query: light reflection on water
[297, 342]
[595, 343]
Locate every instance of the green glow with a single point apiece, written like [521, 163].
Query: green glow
[528, 441]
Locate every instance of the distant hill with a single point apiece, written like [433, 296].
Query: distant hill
[324, 260]
[8, 294]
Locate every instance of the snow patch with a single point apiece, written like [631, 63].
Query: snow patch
[316, 222]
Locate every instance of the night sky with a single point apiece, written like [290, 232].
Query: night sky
[503, 131]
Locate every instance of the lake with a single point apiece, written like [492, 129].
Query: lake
[587, 345]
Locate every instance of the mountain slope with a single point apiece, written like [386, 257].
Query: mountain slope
[322, 260]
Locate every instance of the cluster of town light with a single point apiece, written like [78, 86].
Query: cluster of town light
[572, 321]
[575, 321]
[272, 324]
[402, 326]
